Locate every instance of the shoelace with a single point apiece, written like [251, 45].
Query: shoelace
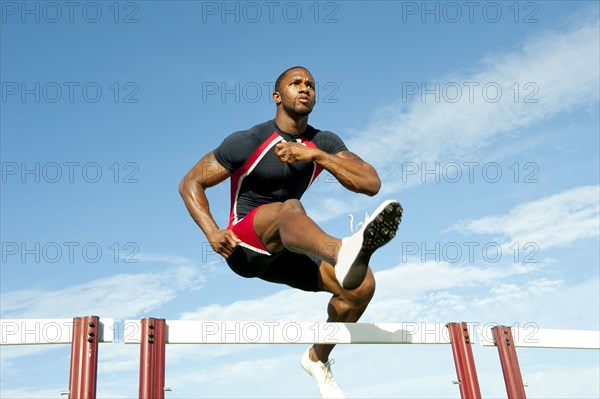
[328, 374]
[359, 225]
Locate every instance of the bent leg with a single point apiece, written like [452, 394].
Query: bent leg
[345, 306]
[286, 225]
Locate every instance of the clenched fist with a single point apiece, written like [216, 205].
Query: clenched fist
[292, 152]
[224, 242]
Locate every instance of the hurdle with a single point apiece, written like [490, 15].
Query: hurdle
[83, 333]
[152, 334]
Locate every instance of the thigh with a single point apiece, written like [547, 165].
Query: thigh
[295, 270]
[265, 228]
[266, 222]
[247, 262]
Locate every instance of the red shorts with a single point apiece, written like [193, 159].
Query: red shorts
[251, 259]
[244, 229]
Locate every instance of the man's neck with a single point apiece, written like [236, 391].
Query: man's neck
[290, 124]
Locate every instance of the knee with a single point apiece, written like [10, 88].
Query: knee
[289, 208]
[292, 205]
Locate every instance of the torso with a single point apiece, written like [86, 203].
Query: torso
[257, 175]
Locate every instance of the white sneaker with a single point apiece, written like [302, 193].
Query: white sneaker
[356, 250]
[321, 372]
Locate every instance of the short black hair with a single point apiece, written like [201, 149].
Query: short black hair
[280, 78]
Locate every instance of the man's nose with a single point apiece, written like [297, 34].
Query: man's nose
[304, 88]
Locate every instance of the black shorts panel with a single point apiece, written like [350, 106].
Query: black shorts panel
[286, 267]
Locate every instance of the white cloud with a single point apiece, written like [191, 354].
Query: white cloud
[563, 382]
[118, 296]
[554, 221]
[556, 72]
[429, 291]
[14, 352]
[285, 305]
[396, 288]
[443, 292]
[415, 279]
[561, 65]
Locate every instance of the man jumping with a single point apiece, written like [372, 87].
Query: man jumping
[269, 235]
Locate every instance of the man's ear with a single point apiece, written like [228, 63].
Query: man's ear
[276, 97]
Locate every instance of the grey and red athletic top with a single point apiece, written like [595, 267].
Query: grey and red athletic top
[257, 175]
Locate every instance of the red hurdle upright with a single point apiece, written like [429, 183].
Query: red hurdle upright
[503, 339]
[152, 358]
[463, 360]
[84, 358]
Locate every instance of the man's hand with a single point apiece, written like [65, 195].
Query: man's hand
[224, 242]
[292, 152]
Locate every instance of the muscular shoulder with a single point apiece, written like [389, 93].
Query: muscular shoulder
[328, 141]
[237, 147]
[249, 137]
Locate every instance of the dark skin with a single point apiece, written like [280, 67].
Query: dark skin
[285, 224]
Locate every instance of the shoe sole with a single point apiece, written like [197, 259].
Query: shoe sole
[378, 231]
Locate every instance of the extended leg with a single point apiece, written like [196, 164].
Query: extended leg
[286, 225]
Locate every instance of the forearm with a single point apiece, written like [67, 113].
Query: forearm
[352, 172]
[196, 202]
[207, 173]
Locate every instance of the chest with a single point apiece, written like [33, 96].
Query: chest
[270, 175]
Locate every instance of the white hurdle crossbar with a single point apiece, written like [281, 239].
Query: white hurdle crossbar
[280, 332]
[534, 337]
[153, 334]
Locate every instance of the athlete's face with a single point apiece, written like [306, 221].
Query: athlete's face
[297, 92]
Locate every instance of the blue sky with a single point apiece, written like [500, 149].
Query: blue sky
[482, 118]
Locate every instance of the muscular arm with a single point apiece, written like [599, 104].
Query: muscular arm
[207, 173]
[351, 171]
[348, 168]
